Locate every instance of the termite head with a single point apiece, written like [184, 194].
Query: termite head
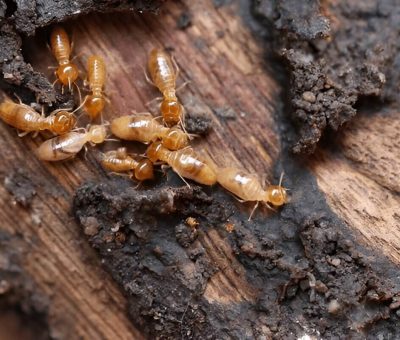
[94, 105]
[144, 170]
[67, 73]
[153, 151]
[171, 111]
[63, 122]
[175, 139]
[276, 195]
[97, 133]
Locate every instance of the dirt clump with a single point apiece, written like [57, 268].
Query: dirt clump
[301, 265]
[337, 53]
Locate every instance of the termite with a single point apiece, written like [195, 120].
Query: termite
[68, 145]
[192, 222]
[185, 162]
[24, 118]
[94, 103]
[144, 128]
[163, 75]
[247, 187]
[119, 161]
[67, 72]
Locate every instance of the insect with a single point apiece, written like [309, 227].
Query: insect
[247, 187]
[67, 72]
[119, 161]
[144, 128]
[24, 118]
[192, 222]
[163, 75]
[185, 162]
[68, 145]
[94, 103]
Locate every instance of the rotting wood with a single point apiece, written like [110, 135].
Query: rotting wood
[361, 180]
[225, 65]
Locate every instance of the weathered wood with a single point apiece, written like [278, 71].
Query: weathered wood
[361, 180]
[226, 68]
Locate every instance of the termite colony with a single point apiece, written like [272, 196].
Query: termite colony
[168, 142]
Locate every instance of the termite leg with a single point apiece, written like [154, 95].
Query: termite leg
[55, 81]
[106, 98]
[119, 174]
[254, 209]
[79, 92]
[184, 180]
[164, 168]
[238, 199]
[187, 82]
[154, 100]
[138, 185]
[23, 134]
[264, 179]
[157, 118]
[112, 140]
[147, 77]
[177, 70]
[269, 207]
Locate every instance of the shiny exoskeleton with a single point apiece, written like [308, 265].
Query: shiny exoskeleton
[120, 162]
[163, 75]
[24, 118]
[185, 162]
[67, 72]
[68, 145]
[144, 128]
[94, 103]
[248, 187]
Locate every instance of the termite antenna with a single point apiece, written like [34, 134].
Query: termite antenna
[19, 99]
[281, 178]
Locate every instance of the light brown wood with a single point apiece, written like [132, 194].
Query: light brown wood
[225, 65]
[361, 181]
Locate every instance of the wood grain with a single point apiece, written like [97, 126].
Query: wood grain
[361, 181]
[225, 65]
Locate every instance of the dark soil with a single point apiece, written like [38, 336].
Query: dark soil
[134, 234]
[337, 53]
[309, 275]
[22, 18]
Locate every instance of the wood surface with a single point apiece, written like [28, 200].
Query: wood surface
[225, 65]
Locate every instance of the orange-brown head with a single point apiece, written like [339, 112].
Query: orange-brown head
[67, 73]
[97, 134]
[144, 170]
[62, 122]
[175, 139]
[276, 195]
[171, 111]
[94, 105]
[153, 151]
